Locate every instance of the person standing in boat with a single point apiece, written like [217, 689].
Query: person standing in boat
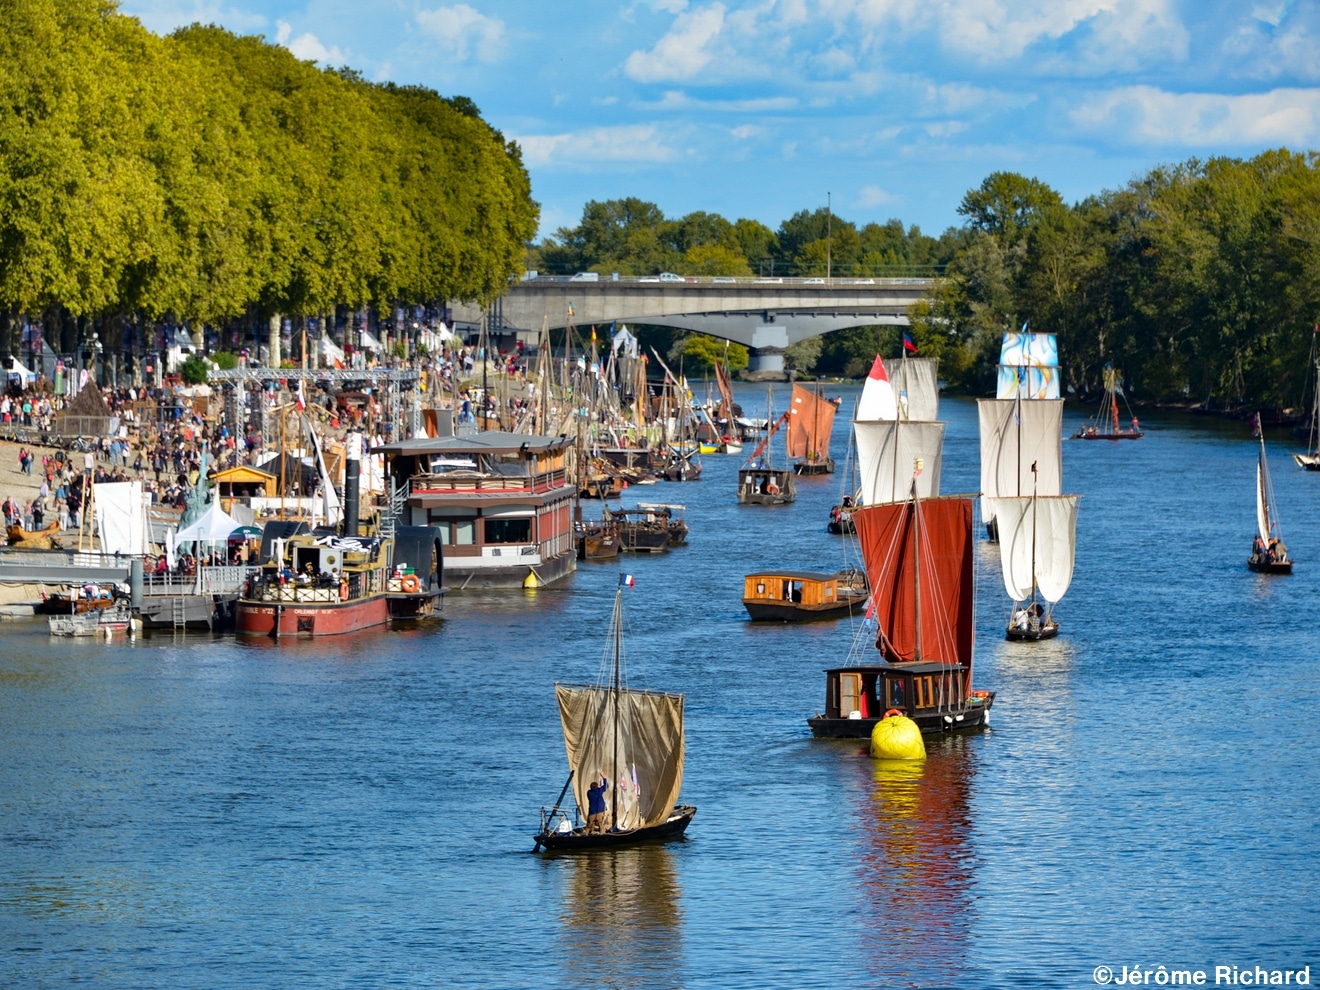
[596, 804]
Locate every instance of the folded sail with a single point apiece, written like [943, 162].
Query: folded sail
[886, 457]
[916, 387]
[1014, 436]
[810, 422]
[1037, 544]
[642, 757]
[943, 543]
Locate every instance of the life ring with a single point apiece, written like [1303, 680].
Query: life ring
[343, 591]
[771, 488]
[411, 583]
[893, 711]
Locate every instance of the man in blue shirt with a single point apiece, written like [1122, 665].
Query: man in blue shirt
[596, 804]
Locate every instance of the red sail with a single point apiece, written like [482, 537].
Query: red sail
[726, 398]
[810, 422]
[944, 536]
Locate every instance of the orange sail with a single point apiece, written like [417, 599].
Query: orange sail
[810, 422]
[726, 397]
[919, 561]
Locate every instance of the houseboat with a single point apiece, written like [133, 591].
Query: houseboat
[503, 504]
[932, 694]
[803, 596]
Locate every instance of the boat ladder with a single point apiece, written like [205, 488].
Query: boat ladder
[178, 615]
[394, 512]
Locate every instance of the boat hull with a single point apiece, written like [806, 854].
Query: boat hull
[824, 466]
[930, 723]
[580, 841]
[1047, 631]
[768, 611]
[309, 619]
[1270, 566]
[1309, 461]
[1121, 435]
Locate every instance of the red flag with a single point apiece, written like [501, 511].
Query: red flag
[909, 344]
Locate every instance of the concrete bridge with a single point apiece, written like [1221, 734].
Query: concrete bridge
[764, 314]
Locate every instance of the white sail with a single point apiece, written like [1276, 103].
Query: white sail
[1035, 350]
[886, 457]
[916, 387]
[1029, 383]
[1014, 435]
[1037, 543]
[1262, 499]
[878, 401]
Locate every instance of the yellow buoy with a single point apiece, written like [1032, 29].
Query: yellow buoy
[896, 737]
[531, 582]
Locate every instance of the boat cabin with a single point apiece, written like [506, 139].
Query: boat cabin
[798, 587]
[932, 694]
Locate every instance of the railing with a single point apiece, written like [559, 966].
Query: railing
[901, 275]
[224, 580]
[430, 484]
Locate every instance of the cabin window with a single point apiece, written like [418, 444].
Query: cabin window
[897, 696]
[850, 691]
[465, 532]
[927, 691]
[446, 532]
[760, 587]
[508, 530]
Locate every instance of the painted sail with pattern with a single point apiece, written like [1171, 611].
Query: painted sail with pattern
[1014, 435]
[927, 541]
[640, 752]
[1037, 544]
[886, 456]
[810, 422]
[916, 387]
[1028, 366]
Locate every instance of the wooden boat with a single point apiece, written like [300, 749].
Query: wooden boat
[1311, 459]
[640, 530]
[810, 423]
[1038, 537]
[759, 482]
[1022, 427]
[596, 540]
[89, 598]
[672, 516]
[1105, 425]
[803, 596]
[1269, 554]
[625, 756]
[682, 466]
[116, 618]
[920, 567]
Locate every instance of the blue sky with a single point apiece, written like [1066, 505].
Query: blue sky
[890, 108]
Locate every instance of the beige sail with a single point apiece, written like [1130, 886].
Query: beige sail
[916, 387]
[1037, 544]
[1015, 434]
[886, 454]
[640, 752]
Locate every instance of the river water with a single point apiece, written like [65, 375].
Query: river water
[359, 812]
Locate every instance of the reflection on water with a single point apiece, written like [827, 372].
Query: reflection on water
[621, 921]
[918, 865]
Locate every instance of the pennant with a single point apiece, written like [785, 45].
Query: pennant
[908, 343]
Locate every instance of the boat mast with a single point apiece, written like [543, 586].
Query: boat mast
[916, 562]
[1034, 486]
[618, 645]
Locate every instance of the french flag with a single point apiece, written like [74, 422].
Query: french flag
[626, 581]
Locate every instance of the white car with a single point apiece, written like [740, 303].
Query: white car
[671, 277]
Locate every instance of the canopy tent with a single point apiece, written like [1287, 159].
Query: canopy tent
[16, 370]
[371, 343]
[214, 526]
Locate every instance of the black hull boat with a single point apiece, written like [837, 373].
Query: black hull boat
[1269, 554]
[1264, 565]
[580, 840]
[854, 697]
[1032, 633]
[825, 466]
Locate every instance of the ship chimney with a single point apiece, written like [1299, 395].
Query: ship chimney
[352, 471]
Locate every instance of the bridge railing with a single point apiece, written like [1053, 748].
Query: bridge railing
[833, 281]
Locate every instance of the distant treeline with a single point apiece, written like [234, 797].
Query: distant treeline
[205, 176]
[1199, 282]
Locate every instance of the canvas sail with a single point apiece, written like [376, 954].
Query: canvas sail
[1262, 501]
[726, 396]
[887, 453]
[810, 422]
[916, 387]
[878, 400]
[1037, 544]
[641, 753]
[944, 539]
[1028, 366]
[1014, 435]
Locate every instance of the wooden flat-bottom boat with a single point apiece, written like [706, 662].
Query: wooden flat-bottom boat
[929, 693]
[766, 486]
[566, 838]
[1032, 631]
[816, 467]
[1091, 433]
[1267, 565]
[597, 541]
[803, 596]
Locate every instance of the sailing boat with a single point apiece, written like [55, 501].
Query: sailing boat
[918, 555]
[1269, 554]
[1311, 459]
[810, 422]
[759, 481]
[1037, 544]
[1105, 425]
[625, 759]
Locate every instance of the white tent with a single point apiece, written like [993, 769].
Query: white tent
[16, 370]
[329, 352]
[371, 343]
[213, 527]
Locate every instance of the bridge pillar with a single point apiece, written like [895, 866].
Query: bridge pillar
[765, 359]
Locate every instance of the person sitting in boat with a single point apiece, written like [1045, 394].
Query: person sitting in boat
[1021, 619]
[1258, 548]
[847, 501]
[1136, 427]
[1277, 552]
[596, 804]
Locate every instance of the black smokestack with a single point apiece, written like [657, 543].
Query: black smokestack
[352, 471]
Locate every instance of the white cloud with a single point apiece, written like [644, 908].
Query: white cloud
[1282, 46]
[683, 52]
[945, 129]
[308, 47]
[464, 32]
[638, 143]
[746, 131]
[869, 197]
[677, 100]
[1149, 116]
[670, 6]
[164, 16]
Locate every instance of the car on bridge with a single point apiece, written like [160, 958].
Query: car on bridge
[671, 277]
